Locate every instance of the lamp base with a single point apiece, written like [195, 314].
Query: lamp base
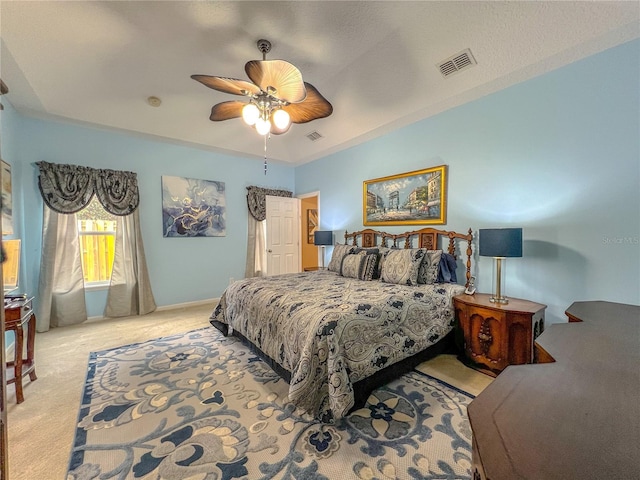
[499, 300]
[497, 296]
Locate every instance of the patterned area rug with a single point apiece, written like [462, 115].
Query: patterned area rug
[200, 406]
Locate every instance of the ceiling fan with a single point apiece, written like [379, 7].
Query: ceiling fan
[277, 95]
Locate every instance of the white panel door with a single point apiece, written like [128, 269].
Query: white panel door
[283, 234]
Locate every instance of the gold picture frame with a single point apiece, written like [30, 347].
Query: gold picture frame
[412, 198]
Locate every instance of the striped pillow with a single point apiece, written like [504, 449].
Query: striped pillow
[361, 265]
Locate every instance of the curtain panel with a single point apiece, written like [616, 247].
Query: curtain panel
[61, 299]
[130, 289]
[67, 189]
[256, 264]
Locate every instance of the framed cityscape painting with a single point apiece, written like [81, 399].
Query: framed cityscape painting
[413, 198]
[193, 208]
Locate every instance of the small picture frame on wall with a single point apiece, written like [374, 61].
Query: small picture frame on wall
[413, 198]
[312, 224]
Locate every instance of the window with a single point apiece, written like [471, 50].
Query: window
[97, 232]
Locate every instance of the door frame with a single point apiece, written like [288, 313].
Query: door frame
[307, 195]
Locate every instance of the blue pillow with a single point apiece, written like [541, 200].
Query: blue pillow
[447, 269]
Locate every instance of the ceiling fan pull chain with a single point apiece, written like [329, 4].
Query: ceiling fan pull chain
[265, 154]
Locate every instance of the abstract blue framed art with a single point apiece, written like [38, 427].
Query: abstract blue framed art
[193, 208]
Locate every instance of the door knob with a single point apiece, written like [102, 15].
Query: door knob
[270, 251]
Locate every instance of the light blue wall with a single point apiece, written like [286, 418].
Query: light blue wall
[9, 126]
[558, 155]
[181, 269]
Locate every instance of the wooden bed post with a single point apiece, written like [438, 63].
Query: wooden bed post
[469, 258]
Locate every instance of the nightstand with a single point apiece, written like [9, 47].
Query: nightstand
[496, 336]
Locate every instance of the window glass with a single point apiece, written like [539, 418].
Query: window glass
[96, 229]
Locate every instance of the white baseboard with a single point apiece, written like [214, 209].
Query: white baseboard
[210, 301]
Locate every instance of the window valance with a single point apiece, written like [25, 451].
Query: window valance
[256, 200]
[69, 188]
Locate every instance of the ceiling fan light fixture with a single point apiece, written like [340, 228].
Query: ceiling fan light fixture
[263, 126]
[278, 96]
[281, 119]
[250, 114]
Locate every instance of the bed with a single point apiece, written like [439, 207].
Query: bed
[334, 335]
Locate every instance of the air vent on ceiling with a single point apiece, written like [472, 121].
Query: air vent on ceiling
[313, 136]
[459, 61]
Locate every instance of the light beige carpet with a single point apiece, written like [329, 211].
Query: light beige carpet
[42, 429]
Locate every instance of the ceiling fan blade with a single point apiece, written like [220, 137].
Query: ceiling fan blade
[314, 106]
[282, 76]
[226, 111]
[227, 85]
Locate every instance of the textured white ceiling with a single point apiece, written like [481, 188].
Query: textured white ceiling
[96, 62]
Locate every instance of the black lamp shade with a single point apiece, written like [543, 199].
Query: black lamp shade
[323, 237]
[501, 242]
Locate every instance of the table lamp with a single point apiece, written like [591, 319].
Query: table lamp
[500, 243]
[323, 238]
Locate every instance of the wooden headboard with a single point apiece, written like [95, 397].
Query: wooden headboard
[429, 238]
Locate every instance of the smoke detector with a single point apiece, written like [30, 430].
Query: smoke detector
[154, 101]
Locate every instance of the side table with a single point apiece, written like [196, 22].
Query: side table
[497, 335]
[18, 313]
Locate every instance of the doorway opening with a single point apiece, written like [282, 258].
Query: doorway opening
[309, 223]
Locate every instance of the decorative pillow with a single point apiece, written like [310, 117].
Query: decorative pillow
[428, 271]
[375, 251]
[447, 270]
[401, 266]
[382, 251]
[339, 251]
[370, 267]
[360, 265]
[367, 250]
[352, 265]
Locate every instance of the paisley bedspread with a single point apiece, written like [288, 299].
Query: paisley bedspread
[331, 331]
